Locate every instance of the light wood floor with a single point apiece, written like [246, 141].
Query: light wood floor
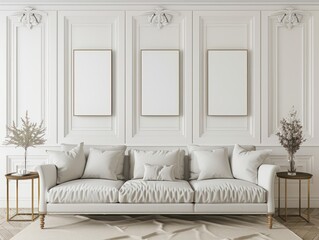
[307, 231]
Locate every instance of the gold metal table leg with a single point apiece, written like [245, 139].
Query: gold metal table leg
[38, 193]
[17, 196]
[32, 199]
[285, 199]
[308, 212]
[8, 207]
[299, 197]
[278, 196]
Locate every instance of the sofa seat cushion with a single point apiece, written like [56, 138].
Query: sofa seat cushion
[140, 191]
[228, 191]
[85, 191]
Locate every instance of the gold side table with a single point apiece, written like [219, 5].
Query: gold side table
[299, 176]
[31, 176]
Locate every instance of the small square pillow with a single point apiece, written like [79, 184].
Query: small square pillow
[213, 164]
[103, 164]
[138, 158]
[122, 148]
[70, 164]
[245, 163]
[158, 173]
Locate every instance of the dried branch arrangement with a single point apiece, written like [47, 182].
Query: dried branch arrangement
[28, 135]
[290, 133]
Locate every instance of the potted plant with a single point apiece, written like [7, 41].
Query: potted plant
[291, 137]
[28, 135]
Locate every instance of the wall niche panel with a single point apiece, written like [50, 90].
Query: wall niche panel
[31, 72]
[288, 60]
[91, 30]
[226, 30]
[177, 35]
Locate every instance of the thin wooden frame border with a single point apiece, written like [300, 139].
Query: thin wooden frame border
[207, 81]
[179, 79]
[73, 82]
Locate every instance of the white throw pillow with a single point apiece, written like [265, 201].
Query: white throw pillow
[245, 163]
[122, 148]
[213, 164]
[193, 162]
[70, 164]
[103, 164]
[138, 158]
[158, 173]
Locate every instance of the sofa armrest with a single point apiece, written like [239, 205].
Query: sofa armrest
[48, 179]
[266, 179]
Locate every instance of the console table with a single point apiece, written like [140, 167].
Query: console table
[299, 176]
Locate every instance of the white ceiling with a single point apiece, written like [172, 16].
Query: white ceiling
[163, 1]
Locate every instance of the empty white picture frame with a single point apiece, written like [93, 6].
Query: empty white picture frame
[92, 82]
[227, 82]
[160, 82]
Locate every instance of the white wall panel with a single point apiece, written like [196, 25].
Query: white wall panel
[289, 57]
[158, 130]
[91, 30]
[31, 72]
[226, 30]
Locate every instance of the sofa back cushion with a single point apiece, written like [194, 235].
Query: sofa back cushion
[138, 158]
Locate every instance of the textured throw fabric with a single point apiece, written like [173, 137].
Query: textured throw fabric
[70, 164]
[103, 164]
[158, 173]
[120, 148]
[85, 191]
[193, 162]
[245, 163]
[138, 158]
[140, 191]
[228, 191]
[213, 164]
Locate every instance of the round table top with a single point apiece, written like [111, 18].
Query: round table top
[31, 175]
[299, 175]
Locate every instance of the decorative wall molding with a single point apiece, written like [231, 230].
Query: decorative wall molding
[31, 72]
[30, 17]
[283, 50]
[15, 162]
[225, 30]
[160, 17]
[91, 30]
[289, 17]
[158, 130]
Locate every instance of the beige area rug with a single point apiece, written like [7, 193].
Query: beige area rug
[244, 227]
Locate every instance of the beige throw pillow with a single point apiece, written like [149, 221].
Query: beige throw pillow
[193, 162]
[158, 173]
[103, 164]
[121, 148]
[245, 163]
[213, 164]
[70, 164]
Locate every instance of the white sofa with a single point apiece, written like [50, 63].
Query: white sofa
[135, 196]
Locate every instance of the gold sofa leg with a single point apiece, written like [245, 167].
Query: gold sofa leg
[42, 216]
[269, 217]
